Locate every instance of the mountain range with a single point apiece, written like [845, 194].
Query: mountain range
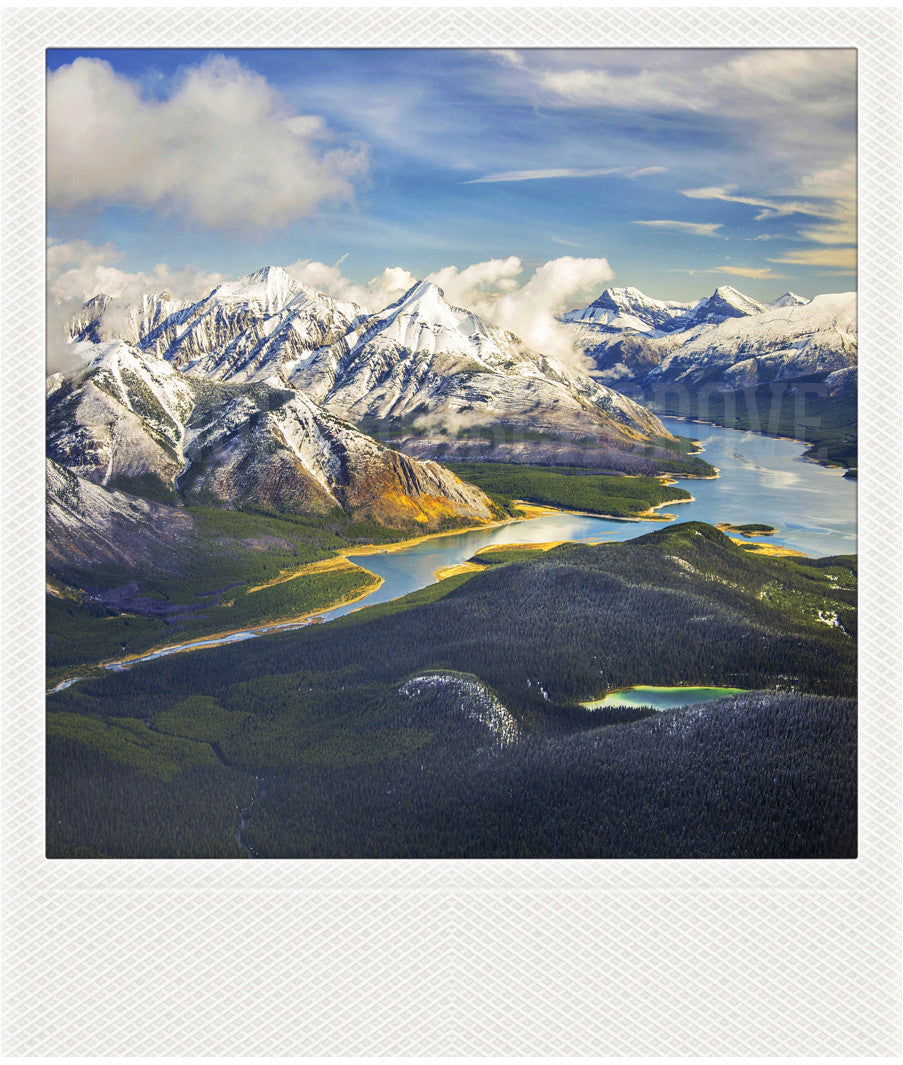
[726, 341]
[432, 379]
[266, 394]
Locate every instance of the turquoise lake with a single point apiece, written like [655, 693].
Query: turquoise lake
[661, 698]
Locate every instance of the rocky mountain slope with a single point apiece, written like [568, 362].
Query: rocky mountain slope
[131, 421]
[90, 526]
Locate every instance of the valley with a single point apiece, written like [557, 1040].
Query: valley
[354, 715]
[395, 564]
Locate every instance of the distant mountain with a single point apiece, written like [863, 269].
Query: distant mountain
[133, 422]
[431, 378]
[622, 309]
[777, 344]
[789, 299]
[728, 340]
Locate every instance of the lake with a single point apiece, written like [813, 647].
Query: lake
[763, 479]
[661, 698]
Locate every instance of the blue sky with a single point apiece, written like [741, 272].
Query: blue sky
[682, 170]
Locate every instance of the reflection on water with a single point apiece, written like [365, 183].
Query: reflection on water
[765, 479]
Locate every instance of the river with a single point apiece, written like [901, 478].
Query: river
[763, 479]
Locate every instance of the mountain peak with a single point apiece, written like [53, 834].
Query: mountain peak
[727, 302]
[425, 302]
[421, 292]
[789, 299]
[268, 289]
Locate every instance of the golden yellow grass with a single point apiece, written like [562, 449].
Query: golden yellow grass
[767, 549]
[452, 571]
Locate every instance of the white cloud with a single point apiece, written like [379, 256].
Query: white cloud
[757, 84]
[480, 284]
[224, 149]
[78, 270]
[377, 293]
[509, 56]
[696, 229]
[531, 310]
[490, 289]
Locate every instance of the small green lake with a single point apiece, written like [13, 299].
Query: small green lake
[661, 698]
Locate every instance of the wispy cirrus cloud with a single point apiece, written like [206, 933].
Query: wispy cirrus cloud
[566, 172]
[544, 175]
[770, 207]
[747, 271]
[839, 258]
[696, 229]
[830, 198]
[759, 273]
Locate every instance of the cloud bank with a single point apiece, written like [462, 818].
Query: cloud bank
[493, 289]
[223, 150]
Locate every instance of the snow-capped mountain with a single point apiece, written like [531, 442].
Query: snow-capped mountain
[436, 370]
[778, 344]
[431, 369]
[132, 421]
[728, 339]
[620, 309]
[789, 299]
[244, 330]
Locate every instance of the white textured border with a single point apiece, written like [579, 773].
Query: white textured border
[486, 958]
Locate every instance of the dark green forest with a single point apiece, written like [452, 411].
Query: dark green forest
[567, 487]
[378, 734]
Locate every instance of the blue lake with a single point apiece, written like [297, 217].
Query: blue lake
[762, 479]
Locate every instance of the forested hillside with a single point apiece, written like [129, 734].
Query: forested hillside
[439, 723]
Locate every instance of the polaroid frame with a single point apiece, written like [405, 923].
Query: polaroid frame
[481, 958]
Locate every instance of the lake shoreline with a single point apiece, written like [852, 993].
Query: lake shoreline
[215, 639]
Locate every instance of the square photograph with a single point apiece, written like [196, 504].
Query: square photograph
[451, 453]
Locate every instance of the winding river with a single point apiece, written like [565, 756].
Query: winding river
[762, 479]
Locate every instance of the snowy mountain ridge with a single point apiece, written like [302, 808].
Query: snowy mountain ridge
[727, 339]
[129, 419]
[420, 361]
